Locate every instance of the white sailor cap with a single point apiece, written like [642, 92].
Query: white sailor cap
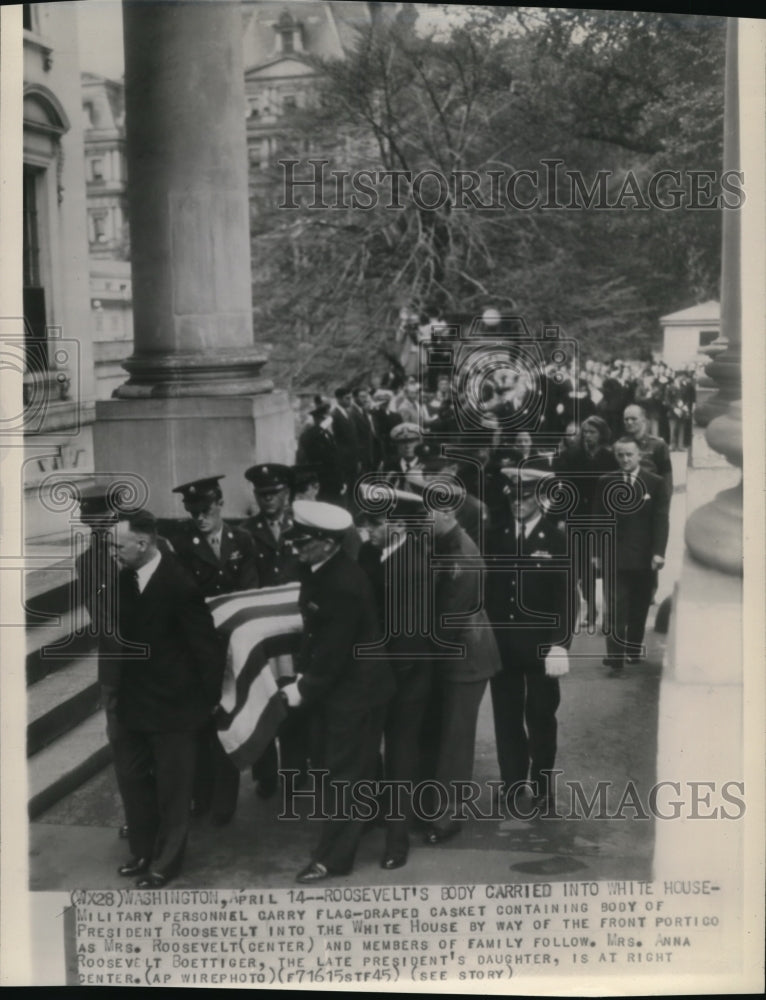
[314, 519]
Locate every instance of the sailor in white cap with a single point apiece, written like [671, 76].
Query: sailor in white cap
[526, 694]
[345, 693]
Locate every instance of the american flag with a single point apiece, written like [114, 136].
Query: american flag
[262, 629]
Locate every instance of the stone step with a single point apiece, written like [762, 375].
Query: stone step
[71, 759]
[51, 648]
[60, 701]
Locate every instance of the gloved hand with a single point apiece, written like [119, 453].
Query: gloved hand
[292, 694]
[556, 662]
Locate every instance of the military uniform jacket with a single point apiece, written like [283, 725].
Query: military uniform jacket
[457, 591]
[405, 589]
[176, 684]
[339, 613]
[275, 560]
[516, 597]
[235, 569]
[641, 532]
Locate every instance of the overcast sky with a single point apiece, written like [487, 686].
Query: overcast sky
[100, 33]
[100, 36]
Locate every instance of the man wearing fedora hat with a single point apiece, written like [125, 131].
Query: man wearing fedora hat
[317, 446]
[528, 605]
[345, 693]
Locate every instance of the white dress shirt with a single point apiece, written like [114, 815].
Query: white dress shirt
[145, 572]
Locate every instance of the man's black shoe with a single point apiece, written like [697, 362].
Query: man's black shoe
[133, 866]
[392, 861]
[436, 835]
[313, 872]
[153, 880]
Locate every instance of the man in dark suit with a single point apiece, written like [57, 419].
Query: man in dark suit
[529, 607]
[653, 451]
[317, 446]
[384, 420]
[459, 683]
[222, 560]
[390, 560]
[638, 503]
[345, 435]
[368, 450]
[96, 574]
[345, 693]
[165, 698]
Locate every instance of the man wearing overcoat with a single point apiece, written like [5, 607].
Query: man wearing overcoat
[164, 699]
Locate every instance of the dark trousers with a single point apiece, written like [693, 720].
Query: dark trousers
[629, 597]
[216, 782]
[156, 779]
[449, 740]
[404, 718]
[524, 703]
[346, 744]
[113, 726]
[293, 750]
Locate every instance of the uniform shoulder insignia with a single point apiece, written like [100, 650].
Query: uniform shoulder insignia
[195, 540]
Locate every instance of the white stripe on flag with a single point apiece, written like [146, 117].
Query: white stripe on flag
[245, 638]
[244, 722]
[255, 600]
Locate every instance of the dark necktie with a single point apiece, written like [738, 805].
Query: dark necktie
[132, 583]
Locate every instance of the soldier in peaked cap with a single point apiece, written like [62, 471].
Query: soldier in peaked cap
[277, 565]
[276, 560]
[525, 694]
[221, 559]
[346, 694]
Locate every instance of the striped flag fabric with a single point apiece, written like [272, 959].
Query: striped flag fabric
[262, 629]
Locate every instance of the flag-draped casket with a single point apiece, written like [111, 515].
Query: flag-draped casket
[262, 629]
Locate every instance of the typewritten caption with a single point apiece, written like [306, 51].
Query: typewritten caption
[394, 934]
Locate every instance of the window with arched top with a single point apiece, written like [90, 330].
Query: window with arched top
[45, 123]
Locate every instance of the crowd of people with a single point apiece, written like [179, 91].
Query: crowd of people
[405, 713]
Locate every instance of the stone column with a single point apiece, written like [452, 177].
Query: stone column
[195, 393]
[700, 732]
[714, 531]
